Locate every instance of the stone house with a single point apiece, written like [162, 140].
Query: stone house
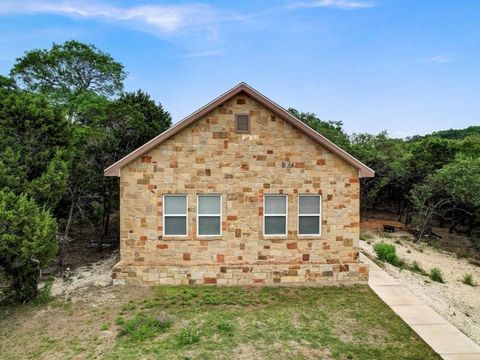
[240, 192]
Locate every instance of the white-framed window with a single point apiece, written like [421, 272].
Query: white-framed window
[209, 215]
[275, 214]
[175, 217]
[309, 214]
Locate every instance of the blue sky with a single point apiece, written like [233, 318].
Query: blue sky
[409, 67]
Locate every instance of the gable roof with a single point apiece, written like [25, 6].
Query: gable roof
[364, 170]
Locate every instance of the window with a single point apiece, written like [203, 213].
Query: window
[175, 215]
[309, 218]
[209, 215]
[275, 215]
[242, 123]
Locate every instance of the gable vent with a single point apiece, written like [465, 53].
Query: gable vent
[242, 123]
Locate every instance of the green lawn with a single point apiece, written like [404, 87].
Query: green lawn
[212, 323]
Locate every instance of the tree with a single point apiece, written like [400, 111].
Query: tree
[27, 242]
[453, 188]
[332, 130]
[67, 70]
[33, 132]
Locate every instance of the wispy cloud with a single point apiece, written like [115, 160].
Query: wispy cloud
[335, 4]
[165, 19]
[438, 59]
[203, 54]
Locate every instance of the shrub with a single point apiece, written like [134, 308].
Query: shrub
[387, 252]
[417, 268]
[143, 327]
[436, 275]
[468, 280]
[188, 337]
[104, 326]
[45, 294]
[27, 243]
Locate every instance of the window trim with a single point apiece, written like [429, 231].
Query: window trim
[309, 214]
[177, 215]
[285, 214]
[249, 124]
[200, 215]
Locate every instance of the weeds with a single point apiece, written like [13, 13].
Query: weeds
[226, 327]
[417, 268]
[468, 280]
[104, 326]
[187, 337]
[143, 327]
[436, 275]
[45, 294]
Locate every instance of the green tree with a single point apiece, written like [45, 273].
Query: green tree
[27, 242]
[332, 130]
[67, 70]
[451, 189]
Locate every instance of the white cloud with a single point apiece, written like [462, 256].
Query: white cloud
[438, 59]
[160, 18]
[203, 54]
[336, 4]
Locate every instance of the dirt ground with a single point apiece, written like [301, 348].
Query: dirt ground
[458, 302]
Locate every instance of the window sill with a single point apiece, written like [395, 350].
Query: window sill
[209, 237]
[309, 237]
[275, 237]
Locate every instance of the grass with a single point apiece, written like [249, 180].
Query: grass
[436, 275]
[215, 323]
[468, 280]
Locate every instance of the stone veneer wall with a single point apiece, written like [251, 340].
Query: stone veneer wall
[209, 157]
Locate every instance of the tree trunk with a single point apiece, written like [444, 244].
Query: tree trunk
[70, 218]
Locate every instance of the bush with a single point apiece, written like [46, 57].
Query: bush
[468, 280]
[436, 275]
[143, 327]
[387, 252]
[27, 243]
[417, 268]
[188, 337]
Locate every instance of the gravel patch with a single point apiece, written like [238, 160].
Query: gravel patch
[457, 302]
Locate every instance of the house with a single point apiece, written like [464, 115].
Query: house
[239, 192]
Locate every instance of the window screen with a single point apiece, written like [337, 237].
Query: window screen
[175, 214]
[275, 215]
[309, 214]
[209, 216]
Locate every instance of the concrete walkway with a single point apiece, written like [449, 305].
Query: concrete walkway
[449, 342]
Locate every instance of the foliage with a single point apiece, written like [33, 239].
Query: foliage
[332, 130]
[468, 280]
[143, 327]
[188, 337]
[66, 70]
[387, 252]
[27, 242]
[417, 268]
[436, 275]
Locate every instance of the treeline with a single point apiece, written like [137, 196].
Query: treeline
[64, 117]
[425, 180]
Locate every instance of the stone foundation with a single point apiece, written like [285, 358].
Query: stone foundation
[256, 274]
